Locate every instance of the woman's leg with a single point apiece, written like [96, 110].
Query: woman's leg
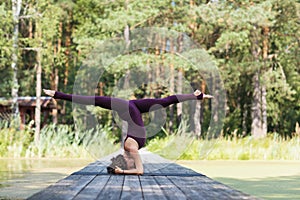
[144, 105]
[110, 103]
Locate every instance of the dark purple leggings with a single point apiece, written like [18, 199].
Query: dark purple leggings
[130, 111]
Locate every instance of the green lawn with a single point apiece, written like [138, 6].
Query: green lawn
[264, 179]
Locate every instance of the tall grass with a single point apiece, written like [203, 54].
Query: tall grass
[65, 141]
[248, 148]
[272, 147]
[172, 145]
[61, 141]
[13, 143]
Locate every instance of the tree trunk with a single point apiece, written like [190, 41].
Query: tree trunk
[256, 126]
[193, 24]
[202, 106]
[171, 107]
[172, 88]
[68, 55]
[266, 31]
[198, 115]
[55, 77]
[38, 98]
[259, 106]
[126, 81]
[179, 91]
[244, 122]
[30, 25]
[68, 49]
[55, 111]
[218, 105]
[179, 80]
[38, 85]
[264, 110]
[16, 8]
[197, 125]
[195, 114]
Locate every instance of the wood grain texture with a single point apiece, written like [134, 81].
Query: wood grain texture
[162, 179]
[132, 188]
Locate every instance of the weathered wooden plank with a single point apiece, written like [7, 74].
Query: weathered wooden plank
[176, 169]
[151, 168]
[152, 162]
[156, 165]
[162, 180]
[96, 167]
[69, 187]
[92, 169]
[64, 189]
[93, 189]
[132, 188]
[204, 188]
[151, 189]
[113, 188]
[170, 190]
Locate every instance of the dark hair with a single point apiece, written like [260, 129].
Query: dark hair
[119, 161]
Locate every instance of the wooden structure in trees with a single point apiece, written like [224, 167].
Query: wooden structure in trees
[27, 109]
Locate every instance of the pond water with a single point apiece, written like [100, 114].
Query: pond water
[20, 178]
[273, 180]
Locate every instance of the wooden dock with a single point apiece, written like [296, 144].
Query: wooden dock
[162, 180]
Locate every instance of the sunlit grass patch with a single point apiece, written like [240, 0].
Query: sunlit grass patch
[61, 141]
[247, 148]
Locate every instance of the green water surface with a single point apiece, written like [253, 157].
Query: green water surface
[264, 179]
[20, 178]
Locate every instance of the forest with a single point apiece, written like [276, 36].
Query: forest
[244, 52]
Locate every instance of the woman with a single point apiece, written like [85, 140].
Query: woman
[129, 111]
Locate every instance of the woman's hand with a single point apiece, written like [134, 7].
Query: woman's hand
[49, 92]
[118, 170]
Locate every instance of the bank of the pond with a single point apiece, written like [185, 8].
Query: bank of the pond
[20, 178]
[274, 180]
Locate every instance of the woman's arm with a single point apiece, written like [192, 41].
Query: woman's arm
[139, 170]
[144, 105]
[131, 146]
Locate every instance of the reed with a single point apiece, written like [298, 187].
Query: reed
[59, 141]
[272, 147]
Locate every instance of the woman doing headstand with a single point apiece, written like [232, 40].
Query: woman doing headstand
[129, 111]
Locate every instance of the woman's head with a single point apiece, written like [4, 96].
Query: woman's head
[123, 161]
[118, 161]
[129, 160]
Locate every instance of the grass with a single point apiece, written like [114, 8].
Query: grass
[60, 141]
[64, 141]
[247, 148]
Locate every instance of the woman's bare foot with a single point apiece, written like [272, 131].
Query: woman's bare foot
[197, 93]
[205, 96]
[49, 92]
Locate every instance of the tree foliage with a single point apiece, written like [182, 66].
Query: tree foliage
[243, 37]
